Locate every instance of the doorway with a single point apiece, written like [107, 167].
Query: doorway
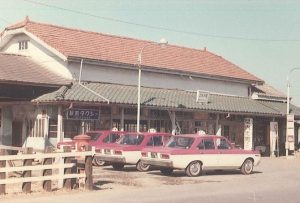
[17, 133]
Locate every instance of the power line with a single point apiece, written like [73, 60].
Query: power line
[161, 28]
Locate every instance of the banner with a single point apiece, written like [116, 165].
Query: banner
[273, 137]
[248, 133]
[290, 132]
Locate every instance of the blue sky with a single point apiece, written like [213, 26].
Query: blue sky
[269, 30]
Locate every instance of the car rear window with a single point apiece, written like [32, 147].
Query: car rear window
[94, 136]
[111, 138]
[181, 142]
[130, 139]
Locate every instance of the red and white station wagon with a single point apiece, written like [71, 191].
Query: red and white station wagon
[98, 139]
[195, 153]
[128, 149]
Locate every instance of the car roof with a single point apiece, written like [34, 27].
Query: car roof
[102, 131]
[148, 133]
[198, 136]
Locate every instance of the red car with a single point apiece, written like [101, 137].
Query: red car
[128, 149]
[98, 139]
[195, 153]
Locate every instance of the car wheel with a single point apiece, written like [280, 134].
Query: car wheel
[98, 162]
[140, 166]
[194, 169]
[247, 167]
[118, 166]
[166, 171]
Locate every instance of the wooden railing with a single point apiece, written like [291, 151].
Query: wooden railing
[65, 162]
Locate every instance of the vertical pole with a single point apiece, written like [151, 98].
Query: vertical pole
[173, 121]
[88, 167]
[67, 182]
[287, 114]
[47, 172]
[26, 186]
[139, 101]
[2, 174]
[122, 119]
[59, 124]
[80, 72]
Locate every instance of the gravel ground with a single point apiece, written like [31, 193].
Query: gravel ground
[274, 180]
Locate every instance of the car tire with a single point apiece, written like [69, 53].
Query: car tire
[140, 166]
[247, 167]
[194, 169]
[118, 166]
[98, 162]
[166, 171]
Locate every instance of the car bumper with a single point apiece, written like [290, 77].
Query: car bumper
[161, 163]
[111, 159]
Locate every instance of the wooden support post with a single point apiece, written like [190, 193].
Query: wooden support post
[26, 186]
[3, 174]
[67, 182]
[74, 170]
[88, 167]
[47, 172]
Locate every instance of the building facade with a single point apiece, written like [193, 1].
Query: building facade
[183, 90]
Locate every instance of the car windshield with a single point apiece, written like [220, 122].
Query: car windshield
[94, 135]
[181, 142]
[130, 139]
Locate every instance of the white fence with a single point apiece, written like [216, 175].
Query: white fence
[66, 163]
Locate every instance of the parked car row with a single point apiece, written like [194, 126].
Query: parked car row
[191, 152]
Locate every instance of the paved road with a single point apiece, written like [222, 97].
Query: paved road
[274, 180]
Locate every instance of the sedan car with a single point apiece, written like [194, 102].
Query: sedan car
[128, 150]
[195, 153]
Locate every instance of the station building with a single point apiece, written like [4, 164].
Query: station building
[57, 82]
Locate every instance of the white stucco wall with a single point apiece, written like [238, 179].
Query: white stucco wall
[150, 79]
[39, 54]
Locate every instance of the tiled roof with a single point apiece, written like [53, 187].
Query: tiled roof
[281, 107]
[22, 69]
[155, 97]
[267, 90]
[122, 50]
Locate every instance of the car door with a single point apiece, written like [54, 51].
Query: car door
[228, 156]
[208, 153]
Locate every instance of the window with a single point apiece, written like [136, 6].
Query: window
[155, 141]
[23, 45]
[181, 142]
[131, 139]
[206, 144]
[111, 138]
[222, 144]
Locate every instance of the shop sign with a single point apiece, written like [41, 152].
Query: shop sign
[83, 114]
[248, 133]
[202, 96]
[290, 126]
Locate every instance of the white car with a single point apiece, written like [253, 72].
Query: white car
[195, 153]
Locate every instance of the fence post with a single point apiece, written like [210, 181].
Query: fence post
[26, 186]
[3, 174]
[67, 182]
[88, 167]
[47, 172]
